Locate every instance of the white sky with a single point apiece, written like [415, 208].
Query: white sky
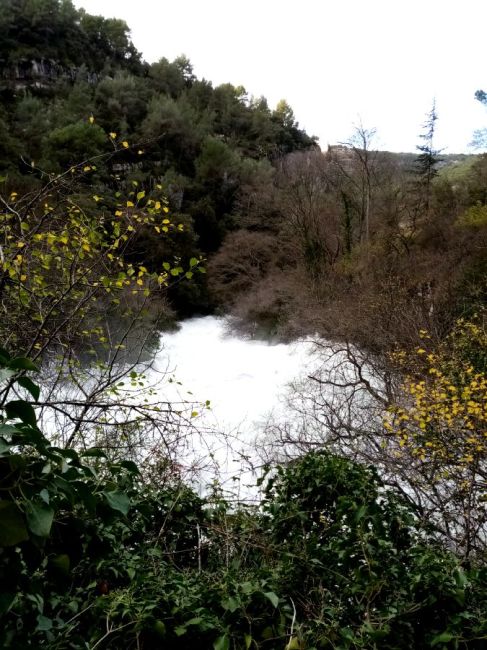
[335, 61]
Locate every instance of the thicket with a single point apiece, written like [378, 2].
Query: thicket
[95, 556]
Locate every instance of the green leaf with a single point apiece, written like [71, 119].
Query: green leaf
[7, 599]
[274, 598]
[4, 447]
[21, 410]
[130, 466]
[188, 275]
[444, 637]
[93, 452]
[222, 643]
[39, 519]
[12, 525]
[4, 356]
[44, 624]
[8, 429]
[160, 628]
[230, 604]
[166, 266]
[22, 363]
[61, 563]
[140, 195]
[460, 578]
[248, 641]
[44, 494]
[29, 385]
[118, 501]
[193, 262]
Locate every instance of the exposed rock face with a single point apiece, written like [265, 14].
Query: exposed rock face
[41, 72]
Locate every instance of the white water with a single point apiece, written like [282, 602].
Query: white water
[244, 380]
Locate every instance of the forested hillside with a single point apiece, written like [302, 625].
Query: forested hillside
[74, 88]
[133, 195]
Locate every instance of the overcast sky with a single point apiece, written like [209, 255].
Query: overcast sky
[337, 62]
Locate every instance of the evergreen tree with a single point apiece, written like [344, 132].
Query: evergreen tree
[428, 158]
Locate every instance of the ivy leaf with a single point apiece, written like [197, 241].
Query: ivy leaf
[22, 363]
[118, 501]
[39, 519]
[12, 525]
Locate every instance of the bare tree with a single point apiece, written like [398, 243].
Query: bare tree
[342, 405]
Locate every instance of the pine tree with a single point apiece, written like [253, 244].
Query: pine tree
[427, 159]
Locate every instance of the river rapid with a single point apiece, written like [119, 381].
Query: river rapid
[243, 380]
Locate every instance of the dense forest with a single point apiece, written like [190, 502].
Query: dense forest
[133, 195]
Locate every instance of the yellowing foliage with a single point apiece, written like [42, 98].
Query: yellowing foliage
[442, 417]
[59, 256]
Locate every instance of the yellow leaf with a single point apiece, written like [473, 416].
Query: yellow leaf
[113, 135]
[92, 119]
[140, 152]
[118, 213]
[125, 144]
[23, 278]
[130, 204]
[165, 209]
[86, 168]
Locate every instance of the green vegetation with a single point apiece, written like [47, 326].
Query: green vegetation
[95, 556]
[132, 195]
